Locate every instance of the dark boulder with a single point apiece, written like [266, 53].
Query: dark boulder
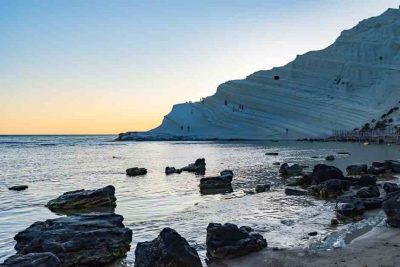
[357, 169]
[168, 249]
[390, 187]
[372, 202]
[330, 158]
[83, 240]
[368, 192]
[377, 170]
[228, 241]
[392, 209]
[45, 259]
[349, 208]
[366, 181]
[171, 170]
[84, 199]
[377, 164]
[291, 170]
[262, 188]
[18, 187]
[198, 167]
[216, 185]
[296, 192]
[322, 172]
[276, 163]
[136, 171]
[330, 188]
[392, 165]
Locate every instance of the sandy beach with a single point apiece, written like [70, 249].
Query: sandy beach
[377, 248]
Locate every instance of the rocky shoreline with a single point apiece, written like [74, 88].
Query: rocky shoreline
[92, 234]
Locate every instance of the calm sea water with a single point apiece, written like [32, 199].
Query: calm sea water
[51, 165]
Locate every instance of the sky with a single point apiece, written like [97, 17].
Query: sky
[101, 66]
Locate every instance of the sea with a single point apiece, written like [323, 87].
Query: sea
[52, 165]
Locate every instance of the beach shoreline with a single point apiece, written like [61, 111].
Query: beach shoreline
[378, 247]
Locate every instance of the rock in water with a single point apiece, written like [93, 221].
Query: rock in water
[168, 249]
[227, 173]
[392, 209]
[171, 170]
[216, 185]
[349, 208]
[330, 188]
[293, 170]
[357, 169]
[390, 187]
[262, 188]
[322, 172]
[135, 171]
[198, 167]
[295, 192]
[228, 241]
[357, 75]
[81, 240]
[366, 181]
[45, 259]
[84, 199]
[368, 192]
[18, 187]
[330, 158]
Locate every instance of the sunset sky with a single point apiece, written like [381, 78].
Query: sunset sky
[76, 66]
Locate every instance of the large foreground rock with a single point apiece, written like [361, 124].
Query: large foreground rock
[168, 249]
[45, 259]
[84, 199]
[322, 172]
[84, 240]
[228, 241]
[392, 209]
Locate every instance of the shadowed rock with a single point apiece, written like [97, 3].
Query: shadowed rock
[262, 188]
[357, 169]
[296, 192]
[84, 200]
[330, 188]
[198, 167]
[227, 173]
[349, 208]
[168, 249]
[392, 209]
[84, 240]
[228, 241]
[44, 259]
[171, 170]
[330, 158]
[366, 181]
[368, 192]
[322, 172]
[216, 185]
[135, 171]
[390, 187]
[18, 187]
[292, 170]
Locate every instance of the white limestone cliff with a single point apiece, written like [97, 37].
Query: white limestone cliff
[343, 86]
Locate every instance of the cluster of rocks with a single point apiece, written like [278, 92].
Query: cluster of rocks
[198, 167]
[355, 193]
[82, 239]
[223, 242]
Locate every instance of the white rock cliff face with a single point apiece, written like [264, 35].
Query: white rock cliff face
[343, 86]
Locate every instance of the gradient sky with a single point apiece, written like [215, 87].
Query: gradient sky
[102, 66]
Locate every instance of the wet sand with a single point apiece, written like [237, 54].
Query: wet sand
[378, 248]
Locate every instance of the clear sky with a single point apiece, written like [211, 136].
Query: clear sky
[102, 66]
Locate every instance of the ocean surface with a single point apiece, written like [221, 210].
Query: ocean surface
[52, 165]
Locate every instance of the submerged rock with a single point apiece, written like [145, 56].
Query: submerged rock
[84, 199]
[198, 167]
[357, 169]
[272, 153]
[262, 188]
[18, 187]
[82, 240]
[322, 172]
[392, 209]
[44, 259]
[293, 170]
[135, 171]
[228, 241]
[296, 192]
[330, 158]
[168, 249]
[171, 170]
